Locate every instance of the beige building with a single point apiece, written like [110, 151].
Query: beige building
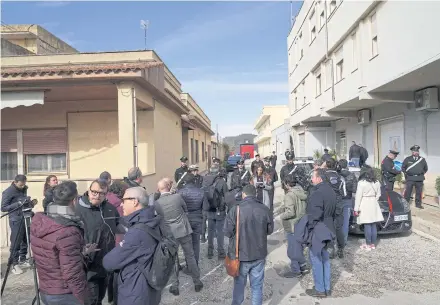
[271, 117]
[76, 115]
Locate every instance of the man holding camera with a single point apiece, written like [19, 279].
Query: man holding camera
[12, 199]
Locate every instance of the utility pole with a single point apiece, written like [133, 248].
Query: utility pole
[144, 26]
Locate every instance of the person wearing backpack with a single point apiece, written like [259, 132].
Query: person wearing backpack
[215, 187]
[133, 286]
[347, 200]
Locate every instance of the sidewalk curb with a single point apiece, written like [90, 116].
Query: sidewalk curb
[425, 235]
[426, 227]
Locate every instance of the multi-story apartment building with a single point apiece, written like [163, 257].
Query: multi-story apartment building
[270, 118]
[356, 73]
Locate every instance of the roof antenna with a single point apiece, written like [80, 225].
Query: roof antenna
[144, 26]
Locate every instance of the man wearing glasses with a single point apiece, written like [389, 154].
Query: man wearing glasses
[101, 221]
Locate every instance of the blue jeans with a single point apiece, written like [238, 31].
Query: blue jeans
[215, 229]
[355, 161]
[346, 212]
[255, 270]
[321, 270]
[57, 299]
[295, 266]
[370, 231]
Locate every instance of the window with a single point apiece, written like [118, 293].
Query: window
[203, 151]
[193, 156]
[45, 151]
[332, 6]
[318, 82]
[328, 74]
[312, 26]
[322, 20]
[339, 65]
[373, 29]
[354, 50]
[9, 154]
[197, 151]
[304, 92]
[301, 52]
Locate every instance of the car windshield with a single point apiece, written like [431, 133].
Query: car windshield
[233, 160]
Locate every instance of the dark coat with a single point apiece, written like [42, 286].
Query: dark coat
[321, 206]
[10, 198]
[389, 173]
[179, 173]
[256, 222]
[48, 198]
[416, 172]
[316, 238]
[133, 288]
[222, 188]
[237, 182]
[132, 183]
[56, 245]
[350, 183]
[96, 230]
[354, 151]
[194, 198]
[115, 201]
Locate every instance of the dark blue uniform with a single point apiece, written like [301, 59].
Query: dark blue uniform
[414, 168]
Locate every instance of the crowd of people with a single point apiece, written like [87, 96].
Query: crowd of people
[118, 240]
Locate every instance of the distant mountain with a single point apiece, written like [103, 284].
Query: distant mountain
[234, 142]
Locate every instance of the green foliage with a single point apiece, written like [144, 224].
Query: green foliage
[333, 154]
[378, 173]
[226, 149]
[317, 154]
[437, 185]
[399, 179]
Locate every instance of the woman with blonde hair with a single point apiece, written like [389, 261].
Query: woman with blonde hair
[367, 208]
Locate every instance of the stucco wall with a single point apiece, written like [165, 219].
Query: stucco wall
[10, 49]
[202, 136]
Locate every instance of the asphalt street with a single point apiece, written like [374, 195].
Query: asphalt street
[404, 269]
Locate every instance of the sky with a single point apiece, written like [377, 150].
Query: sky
[230, 56]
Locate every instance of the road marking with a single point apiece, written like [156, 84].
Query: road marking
[203, 277]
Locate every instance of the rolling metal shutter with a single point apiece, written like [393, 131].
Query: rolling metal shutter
[44, 142]
[9, 141]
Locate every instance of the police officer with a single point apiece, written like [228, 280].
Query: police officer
[287, 169]
[194, 169]
[414, 167]
[326, 156]
[389, 173]
[240, 177]
[182, 169]
[256, 164]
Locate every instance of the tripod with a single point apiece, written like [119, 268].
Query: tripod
[26, 220]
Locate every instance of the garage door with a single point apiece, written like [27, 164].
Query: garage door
[391, 136]
[302, 145]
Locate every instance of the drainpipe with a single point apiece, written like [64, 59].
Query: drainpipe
[326, 53]
[135, 127]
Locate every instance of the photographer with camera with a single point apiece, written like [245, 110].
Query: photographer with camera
[12, 201]
[58, 248]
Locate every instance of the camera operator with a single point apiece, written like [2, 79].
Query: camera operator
[12, 198]
[57, 245]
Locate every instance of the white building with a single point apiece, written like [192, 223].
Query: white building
[270, 118]
[354, 69]
[280, 141]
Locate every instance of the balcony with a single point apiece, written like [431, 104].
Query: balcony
[263, 136]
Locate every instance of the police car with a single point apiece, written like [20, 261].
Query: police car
[395, 209]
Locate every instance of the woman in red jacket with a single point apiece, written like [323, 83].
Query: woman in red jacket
[57, 245]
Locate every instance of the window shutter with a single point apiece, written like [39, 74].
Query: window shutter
[44, 142]
[9, 141]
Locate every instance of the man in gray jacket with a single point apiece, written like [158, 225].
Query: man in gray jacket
[173, 210]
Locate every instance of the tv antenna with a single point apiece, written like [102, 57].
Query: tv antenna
[144, 26]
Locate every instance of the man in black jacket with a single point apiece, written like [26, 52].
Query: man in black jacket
[389, 172]
[194, 198]
[354, 154]
[256, 164]
[347, 199]
[414, 167]
[273, 160]
[11, 198]
[255, 223]
[101, 223]
[178, 174]
[215, 211]
[321, 207]
[240, 177]
[288, 169]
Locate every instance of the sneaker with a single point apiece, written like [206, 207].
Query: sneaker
[316, 294]
[24, 263]
[372, 247]
[16, 270]
[341, 253]
[304, 269]
[174, 290]
[222, 256]
[364, 247]
[198, 286]
[291, 274]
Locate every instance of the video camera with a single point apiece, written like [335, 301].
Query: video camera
[27, 204]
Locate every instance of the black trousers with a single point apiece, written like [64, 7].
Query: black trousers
[389, 186]
[419, 189]
[18, 251]
[97, 290]
[339, 222]
[204, 225]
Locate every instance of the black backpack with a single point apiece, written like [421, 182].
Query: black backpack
[212, 194]
[157, 271]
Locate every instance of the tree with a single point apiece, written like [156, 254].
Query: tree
[226, 149]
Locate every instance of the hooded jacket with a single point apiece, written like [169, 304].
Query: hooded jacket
[133, 288]
[294, 208]
[57, 243]
[100, 226]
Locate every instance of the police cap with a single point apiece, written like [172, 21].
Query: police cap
[289, 155]
[394, 152]
[183, 159]
[193, 167]
[241, 161]
[415, 148]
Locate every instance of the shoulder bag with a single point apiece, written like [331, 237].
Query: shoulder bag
[233, 265]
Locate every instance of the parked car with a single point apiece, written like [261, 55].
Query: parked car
[231, 163]
[396, 212]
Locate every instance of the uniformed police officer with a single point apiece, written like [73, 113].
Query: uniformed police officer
[194, 169]
[287, 169]
[414, 167]
[256, 164]
[389, 173]
[240, 177]
[326, 156]
[182, 170]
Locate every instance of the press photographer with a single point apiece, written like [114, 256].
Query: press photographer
[12, 199]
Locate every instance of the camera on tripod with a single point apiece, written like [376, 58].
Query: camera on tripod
[27, 204]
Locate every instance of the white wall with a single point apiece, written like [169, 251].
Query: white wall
[282, 133]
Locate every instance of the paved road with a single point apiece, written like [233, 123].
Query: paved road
[404, 270]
